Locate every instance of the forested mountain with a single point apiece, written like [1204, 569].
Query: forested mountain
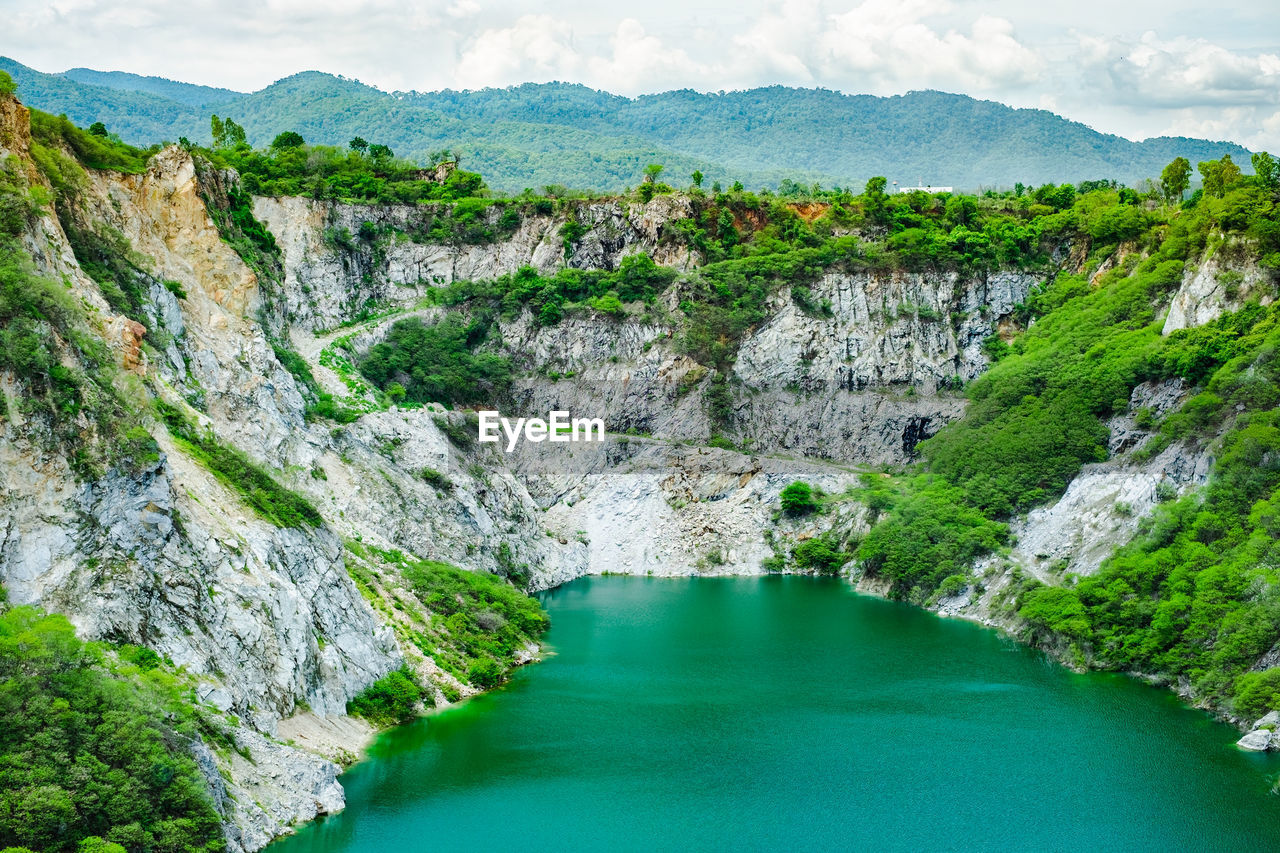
[186, 93]
[538, 134]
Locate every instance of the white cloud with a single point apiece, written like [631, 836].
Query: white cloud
[883, 46]
[890, 43]
[539, 48]
[773, 48]
[536, 48]
[1254, 128]
[463, 9]
[1182, 72]
[642, 63]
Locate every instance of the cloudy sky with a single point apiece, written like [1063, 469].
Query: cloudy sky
[1135, 68]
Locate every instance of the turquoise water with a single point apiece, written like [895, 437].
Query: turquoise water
[790, 713]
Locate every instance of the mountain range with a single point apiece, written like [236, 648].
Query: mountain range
[534, 135]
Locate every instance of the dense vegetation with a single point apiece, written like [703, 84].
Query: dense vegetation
[1196, 595]
[487, 619]
[437, 362]
[556, 133]
[755, 245]
[391, 699]
[359, 172]
[95, 746]
[798, 499]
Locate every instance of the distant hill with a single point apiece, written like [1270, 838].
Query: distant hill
[185, 93]
[561, 133]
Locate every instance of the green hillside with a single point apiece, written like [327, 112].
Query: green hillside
[186, 93]
[538, 134]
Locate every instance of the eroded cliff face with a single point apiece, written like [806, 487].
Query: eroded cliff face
[858, 384]
[168, 557]
[861, 383]
[267, 619]
[342, 258]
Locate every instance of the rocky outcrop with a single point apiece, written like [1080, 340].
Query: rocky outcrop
[862, 381]
[332, 272]
[1215, 287]
[647, 507]
[1101, 510]
[1262, 735]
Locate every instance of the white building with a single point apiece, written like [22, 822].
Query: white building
[923, 189]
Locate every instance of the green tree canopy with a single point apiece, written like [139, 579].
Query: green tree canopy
[1175, 179]
[288, 139]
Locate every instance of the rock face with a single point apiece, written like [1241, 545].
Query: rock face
[169, 557]
[1262, 736]
[332, 272]
[1105, 504]
[641, 506]
[863, 383]
[1215, 287]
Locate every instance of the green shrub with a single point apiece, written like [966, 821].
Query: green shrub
[1257, 693]
[463, 435]
[96, 152]
[798, 499]
[722, 442]
[242, 475]
[1055, 610]
[926, 533]
[486, 673]
[486, 619]
[819, 555]
[952, 585]
[391, 699]
[436, 478]
[140, 449]
[609, 304]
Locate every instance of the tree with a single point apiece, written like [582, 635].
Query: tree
[98, 129]
[798, 499]
[358, 144]
[1218, 175]
[874, 198]
[380, 152]
[226, 133]
[1267, 170]
[288, 139]
[235, 134]
[697, 177]
[651, 172]
[1175, 179]
[1230, 172]
[7, 86]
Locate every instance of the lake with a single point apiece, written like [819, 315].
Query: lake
[792, 713]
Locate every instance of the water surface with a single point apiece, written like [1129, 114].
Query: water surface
[791, 713]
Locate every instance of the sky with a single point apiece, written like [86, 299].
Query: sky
[1137, 69]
